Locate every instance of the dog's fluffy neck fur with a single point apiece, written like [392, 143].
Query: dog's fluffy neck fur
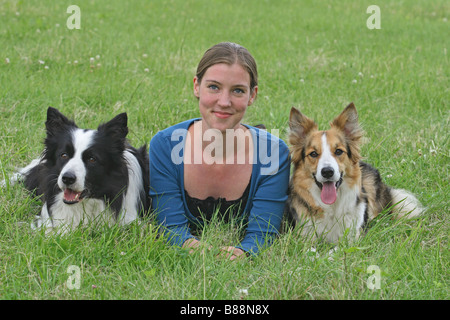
[346, 212]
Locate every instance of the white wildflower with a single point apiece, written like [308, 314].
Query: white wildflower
[332, 253]
[243, 292]
[312, 254]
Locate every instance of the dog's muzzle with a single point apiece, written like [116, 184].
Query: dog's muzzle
[328, 189]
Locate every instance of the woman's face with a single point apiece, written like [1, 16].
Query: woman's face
[224, 95]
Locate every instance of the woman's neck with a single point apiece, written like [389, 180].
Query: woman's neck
[233, 146]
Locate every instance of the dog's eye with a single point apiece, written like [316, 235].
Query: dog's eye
[314, 154]
[92, 160]
[338, 152]
[64, 156]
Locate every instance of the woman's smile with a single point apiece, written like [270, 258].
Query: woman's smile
[222, 114]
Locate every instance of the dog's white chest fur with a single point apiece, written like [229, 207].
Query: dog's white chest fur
[65, 217]
[345, 213]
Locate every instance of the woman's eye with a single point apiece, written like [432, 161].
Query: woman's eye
[238, 91]
[213, 87]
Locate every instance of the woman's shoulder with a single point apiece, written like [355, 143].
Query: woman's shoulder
[268, 137]
[271, 152]
[175, 129]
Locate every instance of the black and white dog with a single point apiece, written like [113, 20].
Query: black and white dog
[86, 176]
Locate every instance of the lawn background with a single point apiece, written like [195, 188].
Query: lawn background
[315, 55]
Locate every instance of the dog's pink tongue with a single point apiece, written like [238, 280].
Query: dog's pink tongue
[328, 194]
[70, 195]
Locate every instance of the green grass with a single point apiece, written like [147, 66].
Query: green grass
[309, 53]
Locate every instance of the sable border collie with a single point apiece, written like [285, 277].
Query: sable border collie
[331, 190]
[86, 176]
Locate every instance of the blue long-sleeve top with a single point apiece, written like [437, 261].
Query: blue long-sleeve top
[267, 195]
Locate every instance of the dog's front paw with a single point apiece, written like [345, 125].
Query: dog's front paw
[39, 223]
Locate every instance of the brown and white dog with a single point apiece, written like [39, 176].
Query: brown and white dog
[331, 190]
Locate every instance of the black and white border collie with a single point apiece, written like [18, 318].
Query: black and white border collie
[86, 176]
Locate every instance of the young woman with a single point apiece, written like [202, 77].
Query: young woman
[216, 164]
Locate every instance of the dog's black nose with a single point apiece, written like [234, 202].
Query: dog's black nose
[327, 172]
[68, 178]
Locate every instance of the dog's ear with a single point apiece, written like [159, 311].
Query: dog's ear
[56, 122]
[348, 123]
[300, 125]
[116, 127]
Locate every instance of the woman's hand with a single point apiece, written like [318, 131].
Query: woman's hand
[191, 243]
[232, 253]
